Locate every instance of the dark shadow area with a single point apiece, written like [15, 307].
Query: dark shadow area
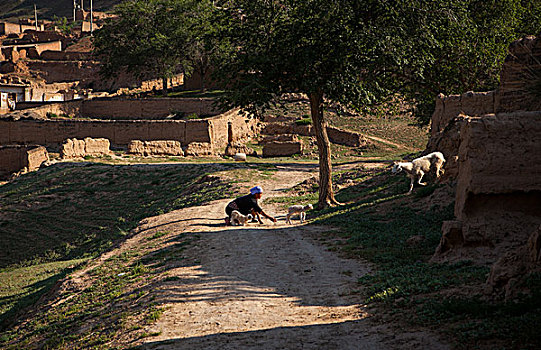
[21, 304]
[335, 336]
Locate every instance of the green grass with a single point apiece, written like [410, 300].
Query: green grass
[21, 287]
[375, 225]
[194, 93]
[57, 218]
[76, 212]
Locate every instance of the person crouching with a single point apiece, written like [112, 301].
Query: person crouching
[248, 205]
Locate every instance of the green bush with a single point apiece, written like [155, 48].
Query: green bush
[304, 121]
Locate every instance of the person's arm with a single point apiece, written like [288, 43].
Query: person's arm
[268, 216]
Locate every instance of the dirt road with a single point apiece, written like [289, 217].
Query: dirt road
[269, 286]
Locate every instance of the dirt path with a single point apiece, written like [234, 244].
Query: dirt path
[387, 142]
[266, 286]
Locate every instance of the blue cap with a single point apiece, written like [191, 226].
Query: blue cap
[256, 190]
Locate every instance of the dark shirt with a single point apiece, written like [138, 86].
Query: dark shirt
[245, 204]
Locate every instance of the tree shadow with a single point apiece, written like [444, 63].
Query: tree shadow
[280, 263]
[340, 336]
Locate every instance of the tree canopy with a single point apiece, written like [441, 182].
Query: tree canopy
[361, 53]
[149, 38]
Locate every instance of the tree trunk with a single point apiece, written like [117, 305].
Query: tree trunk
[164, 86]
[326, 194]
[202, 72]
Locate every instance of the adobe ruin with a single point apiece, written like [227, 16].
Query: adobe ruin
[491, 141]
[21, 159]
[122, 121]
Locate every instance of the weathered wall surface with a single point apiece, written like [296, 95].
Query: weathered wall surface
[47, 132]
[498, 199]
[336, 135]
[470, 103]
[232, 125]
[213, 131]
[346, 138]
[520, 78]
[520, 87]
[282, 148]
[9, 28]
[155, 148]
[72, 108]
[16, 158]
[74, 148]
[496, 160]
[87, 73]
[150, 108]
[64, 56]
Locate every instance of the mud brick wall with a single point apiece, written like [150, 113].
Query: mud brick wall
[521, 75]
[64, 56]
[498, 199]
[71, 108]
[346, 138]
[87, 73]
[154, 108]
[54, 132]
[15, 158]
[120, 132]
[242, 128]
[470, 103]
[520, 81]
[9, 28]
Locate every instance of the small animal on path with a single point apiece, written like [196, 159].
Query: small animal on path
[417, 168]
[298, 209]
[237, 219]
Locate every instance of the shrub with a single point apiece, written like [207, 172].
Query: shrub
[304, 121]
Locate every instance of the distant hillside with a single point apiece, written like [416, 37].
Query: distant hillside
[47, 9]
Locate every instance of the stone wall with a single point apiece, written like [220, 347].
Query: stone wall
[14, 159]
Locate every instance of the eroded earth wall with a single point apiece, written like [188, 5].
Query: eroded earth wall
[519, 90]
[498, 194]
[212, 131]
[17, 158]
[497, 167]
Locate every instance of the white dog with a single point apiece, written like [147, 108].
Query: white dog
[237, 219]
[417, 168]
[298, 209]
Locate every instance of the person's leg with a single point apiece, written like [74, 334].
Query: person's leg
[228, 211]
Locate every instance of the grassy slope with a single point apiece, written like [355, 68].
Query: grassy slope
[55, 219]
[375, 225]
